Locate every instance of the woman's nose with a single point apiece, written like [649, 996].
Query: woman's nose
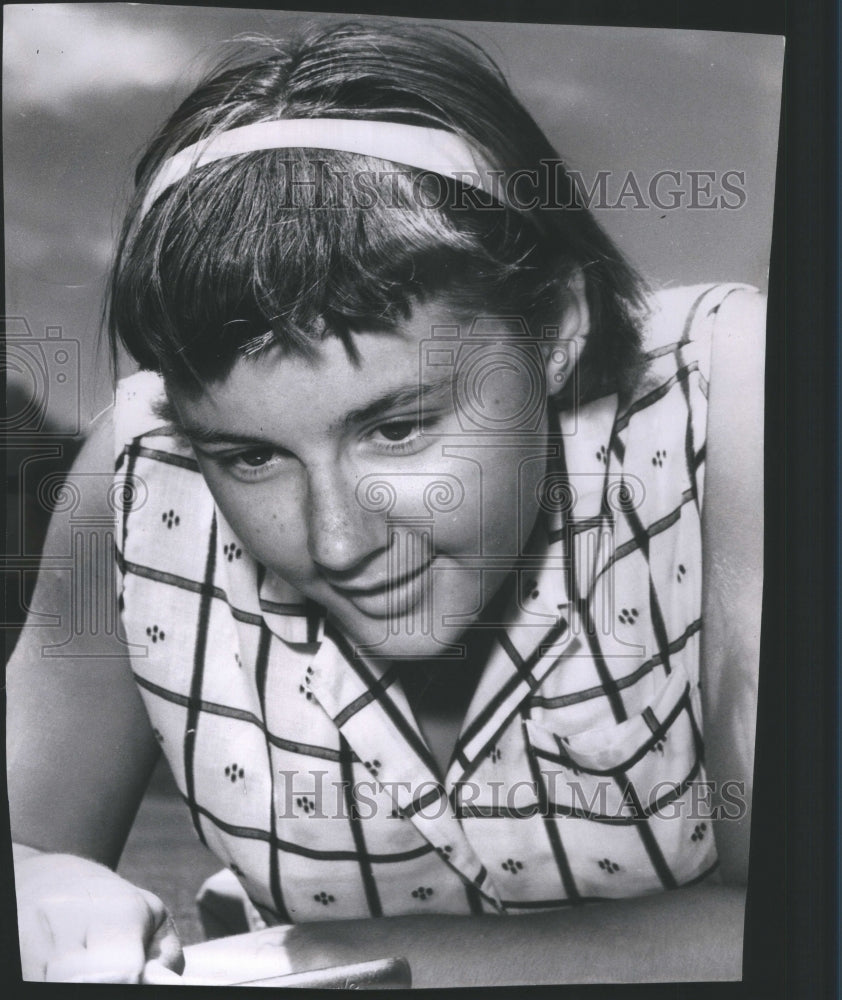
[341, 534]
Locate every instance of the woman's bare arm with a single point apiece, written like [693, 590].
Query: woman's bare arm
[685, 935]
[79, 753]
[733, 556]
[79, 745]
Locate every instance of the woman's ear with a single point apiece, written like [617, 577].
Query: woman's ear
[562, 355]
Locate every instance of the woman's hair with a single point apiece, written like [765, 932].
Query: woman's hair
[287, 245]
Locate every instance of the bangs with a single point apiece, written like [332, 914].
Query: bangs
[283, 247]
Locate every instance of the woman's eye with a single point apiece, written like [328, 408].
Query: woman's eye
[255, 463]
[399, 430]
[404, 437]
[255, 458]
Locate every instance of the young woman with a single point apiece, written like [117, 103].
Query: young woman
[421, 501]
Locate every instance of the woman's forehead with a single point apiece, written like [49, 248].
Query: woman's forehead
[414, 364]
[381, 369]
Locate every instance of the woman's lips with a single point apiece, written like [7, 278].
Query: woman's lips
[389, 597]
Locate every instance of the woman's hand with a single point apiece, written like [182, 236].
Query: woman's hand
[79, 922]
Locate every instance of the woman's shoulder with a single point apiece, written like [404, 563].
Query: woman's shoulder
[135, 403]
[678, 335]
[140, 416]
[687, 314]
[158, 478]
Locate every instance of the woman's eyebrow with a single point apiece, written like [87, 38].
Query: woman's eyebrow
[196, 433]
[211, 435]
[408, 395]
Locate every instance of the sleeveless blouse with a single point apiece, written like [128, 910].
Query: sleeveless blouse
[579, 770]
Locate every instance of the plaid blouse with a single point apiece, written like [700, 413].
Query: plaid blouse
[576, 774]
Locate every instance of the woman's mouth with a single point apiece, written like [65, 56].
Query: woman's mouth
[395, 596]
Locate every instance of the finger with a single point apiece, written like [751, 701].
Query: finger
[116, 945]
[47, 932]
[155, 973]
[36, 943]
[113, 951]
[85, 965]
[165, 946]
[117, 952]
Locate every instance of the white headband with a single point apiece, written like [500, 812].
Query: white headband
[432, 149]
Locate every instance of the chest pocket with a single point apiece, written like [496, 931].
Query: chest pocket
[628, 802]
[629, 770]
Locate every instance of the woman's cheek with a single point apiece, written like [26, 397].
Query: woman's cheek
[509, 484]
[275, 534]
[256, 515]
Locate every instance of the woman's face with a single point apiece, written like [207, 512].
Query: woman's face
[396, 488]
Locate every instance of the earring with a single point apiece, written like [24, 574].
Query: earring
[562, 369]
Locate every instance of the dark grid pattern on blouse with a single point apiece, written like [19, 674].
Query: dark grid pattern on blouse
[609, 687]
